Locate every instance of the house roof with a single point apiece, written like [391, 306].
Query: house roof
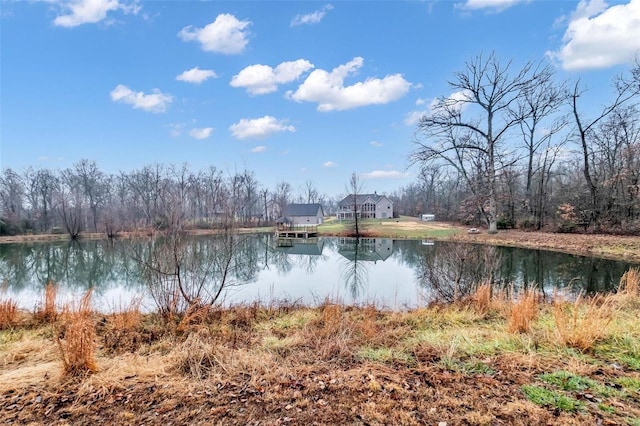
[360, 199]
[303, 210]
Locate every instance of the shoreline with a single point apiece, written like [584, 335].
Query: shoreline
[614, 247]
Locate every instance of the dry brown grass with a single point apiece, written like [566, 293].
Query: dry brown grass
[8, 312]
[481, 298]
[76, 338]
[630, 283]
[584, 322]
[523, 311]
[126, 318]
[48, 311]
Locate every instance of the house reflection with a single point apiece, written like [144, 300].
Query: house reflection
[366, 249]
[302, 246]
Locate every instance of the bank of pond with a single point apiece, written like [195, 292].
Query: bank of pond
[391, 274]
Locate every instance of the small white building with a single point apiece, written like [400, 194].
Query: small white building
[427, 217]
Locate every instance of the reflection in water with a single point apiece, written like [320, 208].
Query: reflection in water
[306, 253]
[357, 252]
[454, 272]
[390, 272]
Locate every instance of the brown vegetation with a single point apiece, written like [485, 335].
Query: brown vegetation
[76, 338]
[286, 364]
[523, 311]
[582, 323]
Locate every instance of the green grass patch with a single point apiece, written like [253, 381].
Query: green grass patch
[623, 350]
[293, 321]
[469, 367]
[630, 384]
[633, 422]
[385, 355]
[574, 383]
[548, 398]
[606, 408]
[386, 228]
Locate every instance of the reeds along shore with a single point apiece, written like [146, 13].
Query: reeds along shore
[79, 331]
[495, 357]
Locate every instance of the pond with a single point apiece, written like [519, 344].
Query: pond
[395, 274]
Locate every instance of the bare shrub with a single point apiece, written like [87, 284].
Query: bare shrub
[582, 323]
[523, 311]
[76, 338]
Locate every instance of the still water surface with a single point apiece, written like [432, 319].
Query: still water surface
[394, 274]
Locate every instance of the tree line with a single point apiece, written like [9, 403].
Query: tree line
[83, 198]
[509, 147]
[513, 147]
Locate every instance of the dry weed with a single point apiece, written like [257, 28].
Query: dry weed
[481, 298]
[8, 312]
[367, 325]
[76, 338]
[523, 311]
[195, 314]
[582, 323]
[48, 312]
[126, 318]
[630, 283]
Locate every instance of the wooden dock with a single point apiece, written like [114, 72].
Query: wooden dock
[297, 232]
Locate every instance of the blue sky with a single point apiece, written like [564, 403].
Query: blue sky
[292, 90]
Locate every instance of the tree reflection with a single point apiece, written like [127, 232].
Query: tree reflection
[454, 270]
[355, 272]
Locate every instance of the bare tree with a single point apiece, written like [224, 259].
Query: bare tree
[626, 88]
[310, 192]
[536, 107]
[92, 182]
[472, 125]
[11, 195]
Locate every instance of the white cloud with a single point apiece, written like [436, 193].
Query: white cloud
[412, 118]
[259, 127]
[201, 133]
[196, 75]
[260, 148]
[376, 144]
[78, 12]
[496, 5]
[261, 79]
[456, 101]
[599, 36]
[384, 174]
[154, 102]
[329, 164]
[329, 91]
[311, 18]
[226, 35]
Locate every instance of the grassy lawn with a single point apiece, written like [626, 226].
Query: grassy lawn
[400, 228]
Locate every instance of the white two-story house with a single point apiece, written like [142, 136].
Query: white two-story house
[366, 206]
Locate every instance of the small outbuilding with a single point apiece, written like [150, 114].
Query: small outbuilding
[302, 215]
